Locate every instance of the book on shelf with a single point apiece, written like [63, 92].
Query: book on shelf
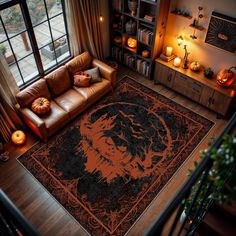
[145, 36]
[149, 17]
[143, 67]
[166, 58]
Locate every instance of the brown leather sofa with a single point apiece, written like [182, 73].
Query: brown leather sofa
[67, 101]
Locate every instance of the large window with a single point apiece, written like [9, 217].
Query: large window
[33, 37]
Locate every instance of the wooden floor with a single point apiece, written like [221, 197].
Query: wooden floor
[43, 211]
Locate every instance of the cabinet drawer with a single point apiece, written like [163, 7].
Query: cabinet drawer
[196, 90]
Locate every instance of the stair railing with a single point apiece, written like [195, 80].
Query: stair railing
[181, 224]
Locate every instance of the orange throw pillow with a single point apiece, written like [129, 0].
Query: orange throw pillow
[40, 106]
[82, 79]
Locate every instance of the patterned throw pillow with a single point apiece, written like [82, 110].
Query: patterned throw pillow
[82, 79]
[94, 74]
[40, 106]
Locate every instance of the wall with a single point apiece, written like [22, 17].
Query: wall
[206, 54]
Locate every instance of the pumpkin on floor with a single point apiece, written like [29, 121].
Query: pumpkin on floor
[40, 106]
[18, 137]
[226, 77]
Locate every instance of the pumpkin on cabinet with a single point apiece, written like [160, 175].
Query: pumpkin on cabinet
[226, 77]
[195, 66]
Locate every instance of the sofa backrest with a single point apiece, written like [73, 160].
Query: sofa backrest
[58, 81]
[79, 63]
[35, 90]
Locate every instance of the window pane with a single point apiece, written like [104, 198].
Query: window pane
[2, 33]
[28, 68]
[16, 74]
[58, 26]
[42, 34]
[54, 7]
[37, 11]
[48, 56]
[62, 50]
[6, 51]
[13, 20]
[21, 45]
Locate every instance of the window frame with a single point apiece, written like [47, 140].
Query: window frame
[32, 39]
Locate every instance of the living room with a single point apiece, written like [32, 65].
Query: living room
[107, 106]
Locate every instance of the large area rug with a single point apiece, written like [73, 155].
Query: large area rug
[107, 166]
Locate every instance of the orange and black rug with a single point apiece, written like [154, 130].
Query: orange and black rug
[107, 166]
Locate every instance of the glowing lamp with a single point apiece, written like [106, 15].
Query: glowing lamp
[18, 137]
[226, 77]
[132, 43]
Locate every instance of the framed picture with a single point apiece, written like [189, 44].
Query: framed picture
[222, 32]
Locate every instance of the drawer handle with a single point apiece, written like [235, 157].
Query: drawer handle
[212, 101]
[197, 91]
[169, 77]
[209, 100]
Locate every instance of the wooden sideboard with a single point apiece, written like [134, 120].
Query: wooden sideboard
[194, 85]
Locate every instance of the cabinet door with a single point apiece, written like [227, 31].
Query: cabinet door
[164, 75]
[206, 96]
[220, 103]
[182, 84]
[196, 90]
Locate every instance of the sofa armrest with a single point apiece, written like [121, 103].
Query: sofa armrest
[106, 71]
[36, 124]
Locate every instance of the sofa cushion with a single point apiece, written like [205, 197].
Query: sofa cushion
[79, 63]
[58, 81]
[55, 118]
[94, 91]
[72, 102]
[94, 73]
[29, 94]
[81, 79]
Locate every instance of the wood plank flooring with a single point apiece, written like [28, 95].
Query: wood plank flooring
[47, 215]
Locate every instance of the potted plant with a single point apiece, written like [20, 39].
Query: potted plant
[221, 176]
[208, 72]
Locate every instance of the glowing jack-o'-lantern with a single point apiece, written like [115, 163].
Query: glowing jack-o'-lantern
[132, 43]
[18, 137]
[226, 77]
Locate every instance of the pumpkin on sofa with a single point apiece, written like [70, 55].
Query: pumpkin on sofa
[40, 106]
[226, 77]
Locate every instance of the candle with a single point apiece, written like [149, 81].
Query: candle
[169, 51]
[177, 61]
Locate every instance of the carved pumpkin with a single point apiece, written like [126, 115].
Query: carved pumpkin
[226, 77]
[195, 66]
[18, 137]
[132, 43]
[117, 39]
[40, 106]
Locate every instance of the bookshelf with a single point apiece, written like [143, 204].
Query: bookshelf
[146, 25]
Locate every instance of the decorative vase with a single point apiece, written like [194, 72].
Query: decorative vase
[133, 5]
[131, 27]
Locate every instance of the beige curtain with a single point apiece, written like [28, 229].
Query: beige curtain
[9, 119]
[84, 26]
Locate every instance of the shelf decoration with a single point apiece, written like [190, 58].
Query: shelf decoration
[180, 12]
[133, 5]
[132, 43]
[195, 23]
[181, 41]
[222, 32]
[130, 27]
[145, 53]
